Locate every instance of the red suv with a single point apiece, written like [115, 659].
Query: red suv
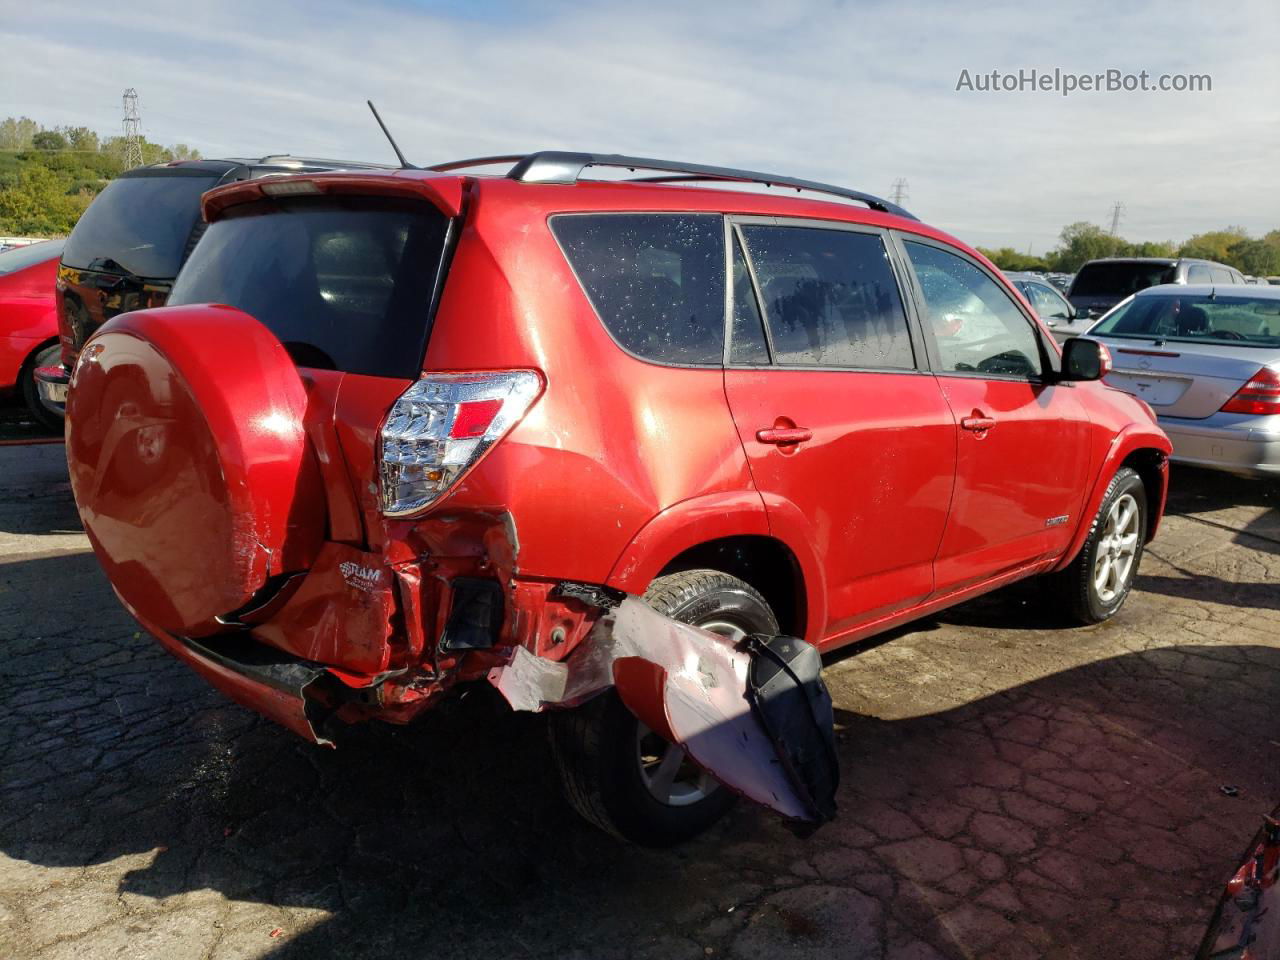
[399, 431]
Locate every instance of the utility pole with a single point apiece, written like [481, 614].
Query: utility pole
[1117, 210]
[899, 194]
[132, 140]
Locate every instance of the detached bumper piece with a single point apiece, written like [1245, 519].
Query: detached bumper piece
[756, 715]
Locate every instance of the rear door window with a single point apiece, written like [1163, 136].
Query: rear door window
[830, 297]
[655, 279]
[976, 325]
[344, 283]
[1198, 273]
[139, 225]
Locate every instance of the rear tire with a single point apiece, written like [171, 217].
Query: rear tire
[46, 416]
[611, 764]
[1094, 586]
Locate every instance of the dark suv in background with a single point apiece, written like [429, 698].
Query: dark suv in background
[1101, 284]
[126, 250]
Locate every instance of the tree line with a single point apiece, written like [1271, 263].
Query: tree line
[50, 175]
[1079, 242]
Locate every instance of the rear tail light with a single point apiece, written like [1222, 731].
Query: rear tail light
[441, 426]
[1261, 395]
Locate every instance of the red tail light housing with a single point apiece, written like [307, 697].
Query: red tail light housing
[1261, 395]
[440, 428]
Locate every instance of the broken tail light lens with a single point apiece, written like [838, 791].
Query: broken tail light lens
[1261, 395]
[441, 426]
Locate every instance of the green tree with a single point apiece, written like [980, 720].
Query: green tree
[37, 204]
[16, 133]
[49, 140]
[1081, 242]
[1153, 248]
[1007, 258]
[81, 138]
[1214, 245]
[1256, 257]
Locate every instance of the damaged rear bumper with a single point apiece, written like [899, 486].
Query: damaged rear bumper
[298, 695]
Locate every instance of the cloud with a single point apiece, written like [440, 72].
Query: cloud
[854, 93]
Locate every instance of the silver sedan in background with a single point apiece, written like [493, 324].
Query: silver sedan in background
[1207, 360]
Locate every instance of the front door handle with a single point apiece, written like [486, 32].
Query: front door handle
[978, 424]
[784, 435]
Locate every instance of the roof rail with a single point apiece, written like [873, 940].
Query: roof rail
[555, 166]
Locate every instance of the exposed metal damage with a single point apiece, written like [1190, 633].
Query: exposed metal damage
[756, 715]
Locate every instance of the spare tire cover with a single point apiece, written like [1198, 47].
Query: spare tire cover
[190, 464]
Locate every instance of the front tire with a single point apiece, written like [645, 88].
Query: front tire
[620, 775]
[1094, 586]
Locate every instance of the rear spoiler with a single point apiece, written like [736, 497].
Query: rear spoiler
[444, 193]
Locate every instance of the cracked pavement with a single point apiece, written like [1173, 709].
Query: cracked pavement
[1012, 788]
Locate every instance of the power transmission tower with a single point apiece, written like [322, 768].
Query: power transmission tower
[1117, 210]
[132, 140]
[899, 194]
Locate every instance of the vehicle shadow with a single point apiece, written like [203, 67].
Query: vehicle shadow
[1061, 814]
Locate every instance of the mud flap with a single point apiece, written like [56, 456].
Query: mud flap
[756, 715]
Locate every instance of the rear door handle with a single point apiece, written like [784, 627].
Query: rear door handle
[978, 424]
[782, 435]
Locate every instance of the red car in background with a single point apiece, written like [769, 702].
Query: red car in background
[29, 324]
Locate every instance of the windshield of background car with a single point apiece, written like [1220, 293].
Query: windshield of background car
[345, 283]
[19, 258]
[139, 225]
[1120, 279]
[1228, 321]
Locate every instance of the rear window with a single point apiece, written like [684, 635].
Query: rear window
[19, 258]
[344, 283]
[655, 279]
[1119, 279]
[139, 225]
[830, 297]
[1226, 321]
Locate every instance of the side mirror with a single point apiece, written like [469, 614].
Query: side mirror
[1084, 359]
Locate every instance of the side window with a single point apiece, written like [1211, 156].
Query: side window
[1198, 273]
[830, 297]
[977, 326]
[1220, 274]
[655, 279]
[1048, 303]
[747, 343]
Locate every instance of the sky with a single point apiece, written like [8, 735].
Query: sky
[855, 93]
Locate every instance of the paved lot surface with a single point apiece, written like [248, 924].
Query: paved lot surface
[1012, 788]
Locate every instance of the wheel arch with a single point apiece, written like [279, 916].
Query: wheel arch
[1147, 453]
[729, 532]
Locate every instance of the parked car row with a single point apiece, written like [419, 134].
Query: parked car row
[400, 430]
